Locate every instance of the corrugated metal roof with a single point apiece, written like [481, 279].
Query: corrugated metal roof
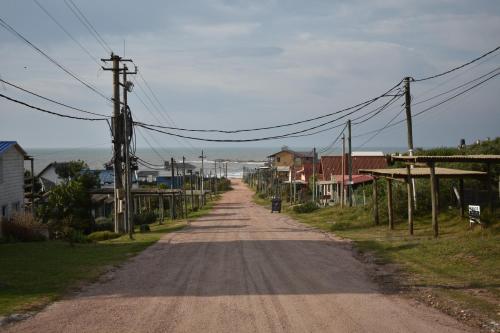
[5, 145]
[451, 158]
[423, 173]
[332, 165]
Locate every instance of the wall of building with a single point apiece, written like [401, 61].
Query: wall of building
[285, 159]
[11, 181]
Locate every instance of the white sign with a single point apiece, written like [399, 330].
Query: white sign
[474, 214]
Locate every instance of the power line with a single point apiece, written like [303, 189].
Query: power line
[9, 28]
[358, 106]
[67, 32]
[457, 87]
[327, 148]
[430, 107]
[83, 19]
[51, 112]
[50, 100]
[458, 67]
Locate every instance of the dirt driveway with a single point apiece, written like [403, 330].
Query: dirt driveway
[239, 269]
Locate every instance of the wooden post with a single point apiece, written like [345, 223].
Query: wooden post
[461, 195]
[489, 184]
[438, 202]
[375, 201]
[160, 203]
[389, 204]
[409, 189]
[434, 199]
[171, 205]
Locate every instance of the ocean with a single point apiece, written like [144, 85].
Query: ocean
[236, 157]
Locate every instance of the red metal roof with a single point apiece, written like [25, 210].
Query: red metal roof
[332, 165]
[356, 179]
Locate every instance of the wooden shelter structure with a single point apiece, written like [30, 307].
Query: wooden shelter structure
[426, 168]
[142, 198]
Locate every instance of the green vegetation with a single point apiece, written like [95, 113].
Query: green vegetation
[462, 265]
[102, 235]
[36, 273]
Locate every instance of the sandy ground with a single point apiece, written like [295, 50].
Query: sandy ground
[239, 269]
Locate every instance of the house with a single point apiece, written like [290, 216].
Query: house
[147, 176]
[287, 162]
[48, 177]
[306, 172]
[330, 170]
[12, 158]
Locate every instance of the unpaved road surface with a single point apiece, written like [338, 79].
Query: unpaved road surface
[239, 269]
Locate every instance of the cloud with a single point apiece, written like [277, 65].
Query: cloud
[224, 30]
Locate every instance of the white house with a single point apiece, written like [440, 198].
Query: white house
[12, 158]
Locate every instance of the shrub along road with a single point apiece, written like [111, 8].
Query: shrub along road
[239, 269]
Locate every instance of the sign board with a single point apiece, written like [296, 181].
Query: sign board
[474, 214]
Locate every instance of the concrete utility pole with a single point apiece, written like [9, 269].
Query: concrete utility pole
[409, 128]
[314, 175]
[350, 162]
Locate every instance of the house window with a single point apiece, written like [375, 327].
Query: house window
[278, 159]
[4, 211]
[16, 206]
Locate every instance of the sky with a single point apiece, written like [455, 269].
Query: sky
[228, 65]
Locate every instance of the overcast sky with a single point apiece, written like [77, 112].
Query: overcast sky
[240, 64]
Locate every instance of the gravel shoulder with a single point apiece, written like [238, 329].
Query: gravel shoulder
[240, 269]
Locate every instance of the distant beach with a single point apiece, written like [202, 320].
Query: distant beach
[237, 158]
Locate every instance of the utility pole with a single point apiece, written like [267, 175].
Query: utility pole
[127, 138]
[350, 162]
[409, 128]
[118, 132]
[202, 179]
[184, 186]
[172, 161]
[342, 199]
[215, 181]
[314, 174]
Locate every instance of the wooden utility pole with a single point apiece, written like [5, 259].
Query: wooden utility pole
[350, 161]
[192, 188]
[342, 194]
[215, 180]
[314, 174]
[184, 199]
[409, 128]
[202, 173]
[127, 138]
[172, 161]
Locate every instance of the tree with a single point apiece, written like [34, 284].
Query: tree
[69, 204]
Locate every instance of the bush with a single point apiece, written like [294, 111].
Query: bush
[307, 207]
[103, 224]
[145, 218]
[22, 227]
[76, 236]
[102, 235]
[145, 228]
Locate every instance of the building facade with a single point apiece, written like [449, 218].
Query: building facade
[12, 158]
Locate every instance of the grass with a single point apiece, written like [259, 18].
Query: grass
[34, 274]
[462, 265]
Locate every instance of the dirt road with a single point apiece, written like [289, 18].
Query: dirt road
[239, 269]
